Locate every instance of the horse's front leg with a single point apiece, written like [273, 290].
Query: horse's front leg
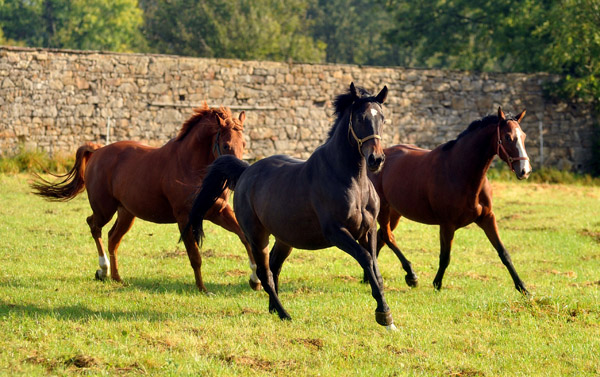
[341, 237]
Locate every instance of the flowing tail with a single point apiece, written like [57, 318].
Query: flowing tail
[72, 183]
[224, 173]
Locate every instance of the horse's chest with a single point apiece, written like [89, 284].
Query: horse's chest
[361, 215]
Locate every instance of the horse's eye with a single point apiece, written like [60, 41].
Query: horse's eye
[507, 137]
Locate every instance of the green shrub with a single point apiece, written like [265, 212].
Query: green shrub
[544, 175]
[35, 162]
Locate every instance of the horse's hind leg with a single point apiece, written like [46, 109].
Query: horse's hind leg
[191, 247]
[489, 226]
[96, 222]
[225, 218]
[446, 238]
[279, 254]
[388, 221]
[261, 256]
[121, 226]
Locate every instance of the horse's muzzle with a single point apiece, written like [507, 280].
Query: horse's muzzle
[375, 162]
[522, 174]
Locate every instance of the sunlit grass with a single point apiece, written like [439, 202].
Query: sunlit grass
[55, 319]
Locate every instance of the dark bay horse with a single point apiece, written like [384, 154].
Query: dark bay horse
[448, 187]
[325, 201]
[154, 184]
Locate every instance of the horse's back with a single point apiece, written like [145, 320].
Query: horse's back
[405, 181]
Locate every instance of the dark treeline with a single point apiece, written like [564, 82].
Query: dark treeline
[561, 36]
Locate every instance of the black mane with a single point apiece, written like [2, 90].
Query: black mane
[476, 125]
[344, 101]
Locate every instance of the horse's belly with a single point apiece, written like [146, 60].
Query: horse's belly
[299, 234]
[156, 211]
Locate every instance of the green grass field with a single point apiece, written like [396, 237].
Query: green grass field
[55, 319]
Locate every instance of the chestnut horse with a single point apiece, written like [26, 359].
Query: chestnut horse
[448, 187]
[325, 201]
[154, 184]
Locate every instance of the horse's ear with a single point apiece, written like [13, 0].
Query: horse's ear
[382, 95]
[242, 116]
[353, 91]
[501, 114]
[521, 116]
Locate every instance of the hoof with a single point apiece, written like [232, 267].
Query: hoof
[384, 318]
[208, 294]
[411, 281]
[524, 291]
[391, 328]
[100, 275]
[255, 285]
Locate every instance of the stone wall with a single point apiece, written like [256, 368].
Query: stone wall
[55, 100]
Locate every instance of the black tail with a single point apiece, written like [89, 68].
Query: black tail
[223, 173]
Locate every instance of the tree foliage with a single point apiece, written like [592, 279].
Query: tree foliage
[75, 24]
[244, 29]
[353, 31]
[556, 36]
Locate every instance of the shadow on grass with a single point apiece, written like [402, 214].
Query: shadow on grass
[77, 312]
[117, 292]
[237, 287]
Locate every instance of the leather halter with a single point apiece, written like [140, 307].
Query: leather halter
[500, 146]
[216, 147]
[360, 141]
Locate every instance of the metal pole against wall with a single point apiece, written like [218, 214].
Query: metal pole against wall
[541, 130]
[108, 131]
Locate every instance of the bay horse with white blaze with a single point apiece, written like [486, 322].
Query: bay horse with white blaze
[324, 201]
[154, 184]
[448, 187]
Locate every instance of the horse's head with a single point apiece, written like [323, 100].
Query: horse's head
[511, 144]
[366, 123]
[229, 138]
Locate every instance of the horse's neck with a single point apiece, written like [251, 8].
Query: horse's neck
[472, 156]
[343, 155]
[194, 151]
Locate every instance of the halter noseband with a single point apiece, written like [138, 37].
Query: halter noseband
[360, 141]
[500, 146]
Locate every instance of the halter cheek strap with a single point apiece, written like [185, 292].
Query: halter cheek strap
[216, 147]
[360, 141]
[509, 159]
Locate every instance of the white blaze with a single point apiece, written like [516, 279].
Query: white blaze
[522, 152]
[373, 112]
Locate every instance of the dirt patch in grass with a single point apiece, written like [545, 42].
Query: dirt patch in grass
[592, 234]
[475, 276]
[315, 344]
[347, 278]
[464, 372]
[257, 363]
[208, 253]
[82, 361]
[177, 253]
[405, 351]
[77, 361]
[569, 274]
[250, 311]
[235, 273]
